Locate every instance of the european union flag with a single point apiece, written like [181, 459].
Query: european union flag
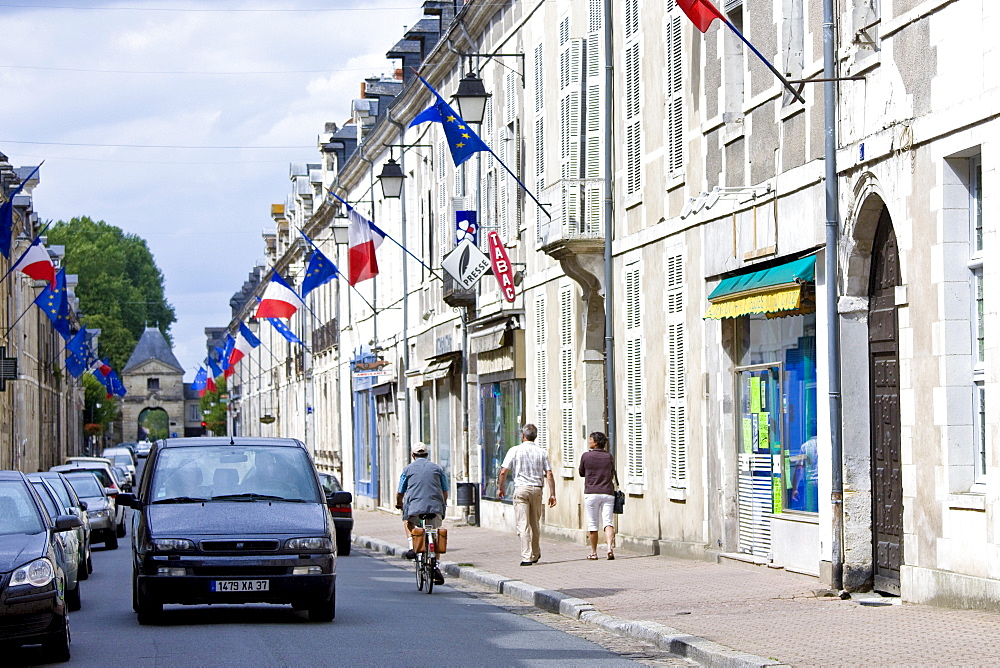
[282, 328]
[200, 381]
[7, 215]
[77, 353]
[319, 271]
[52, 300]
[227, 352]
[115, 385]
[462, 140]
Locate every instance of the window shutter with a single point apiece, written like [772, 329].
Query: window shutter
[631, 18]
[510, 97]
[634, 380]
[541, 375]
[675, 97]
[539, 79]
[676, 386]
[566, 377]
[633, 127]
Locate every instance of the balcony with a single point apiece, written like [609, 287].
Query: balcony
[577, 217]
[454, 294]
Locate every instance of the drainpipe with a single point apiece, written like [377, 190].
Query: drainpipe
[832, 315]
[609, 330]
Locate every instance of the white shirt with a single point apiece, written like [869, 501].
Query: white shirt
[529, 464]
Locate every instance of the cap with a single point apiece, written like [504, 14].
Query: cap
[418, 449]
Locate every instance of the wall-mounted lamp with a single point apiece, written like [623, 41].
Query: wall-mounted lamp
[392, 179]
[340, 227]
[742, 194]
[695, 204]
[470, 98]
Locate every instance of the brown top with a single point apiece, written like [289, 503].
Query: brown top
[598, 468]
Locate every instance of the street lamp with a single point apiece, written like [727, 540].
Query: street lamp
[471, 98]
[392, 179]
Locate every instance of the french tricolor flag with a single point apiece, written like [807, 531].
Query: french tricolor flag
[36, 263]
[245, 342]
[363, 238]
[279, 300]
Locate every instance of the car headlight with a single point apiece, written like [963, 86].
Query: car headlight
[172, 544]
[103, 512]
[323, 543]
[37, 573]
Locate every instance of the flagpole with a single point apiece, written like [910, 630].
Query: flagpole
[778, 74]
[14, 324]
[14, 264]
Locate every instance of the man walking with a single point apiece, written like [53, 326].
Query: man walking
[530, 465]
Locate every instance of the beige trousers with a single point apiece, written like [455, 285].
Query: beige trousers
[528, 511]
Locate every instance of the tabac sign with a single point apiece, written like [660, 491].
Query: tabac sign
[502, 268]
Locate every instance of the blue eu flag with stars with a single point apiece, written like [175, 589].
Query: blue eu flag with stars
[282, 328]
[462, 139]
[319, 271]
[52, 300]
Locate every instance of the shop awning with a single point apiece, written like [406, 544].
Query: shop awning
[439, 369]
[770, 290]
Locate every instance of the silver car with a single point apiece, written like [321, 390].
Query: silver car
[101, 508]
[72, 505]
[69, 550]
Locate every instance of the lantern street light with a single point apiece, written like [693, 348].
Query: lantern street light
[392, 179]
[471, 98]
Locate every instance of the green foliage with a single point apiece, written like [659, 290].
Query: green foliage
[213, 410]
[154, 423]
[120, 288]
[98, 409]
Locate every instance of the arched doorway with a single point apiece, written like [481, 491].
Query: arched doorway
[154, 423]
[883, 353]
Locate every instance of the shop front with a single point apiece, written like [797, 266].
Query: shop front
[772, 313]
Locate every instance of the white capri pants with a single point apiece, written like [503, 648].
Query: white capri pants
[599, 510]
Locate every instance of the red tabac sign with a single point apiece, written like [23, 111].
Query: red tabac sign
[502, 268]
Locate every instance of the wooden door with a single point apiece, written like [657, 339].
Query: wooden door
[883, 351]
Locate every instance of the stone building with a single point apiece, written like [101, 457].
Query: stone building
[154, 403]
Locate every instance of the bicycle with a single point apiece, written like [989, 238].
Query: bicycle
[426, 559]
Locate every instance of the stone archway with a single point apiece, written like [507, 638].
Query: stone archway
[153, 424]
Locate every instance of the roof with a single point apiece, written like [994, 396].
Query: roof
[152, 346]
[225, 440]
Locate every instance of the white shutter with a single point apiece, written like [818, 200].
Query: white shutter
[567, 377]
[596, 15]
[570, 111]
[675, 97]
[539, 80]
[634, 378]
[631, 18]
[633, 127]
[676, 386]
[541, 374]
[510, 97]
[443, 232]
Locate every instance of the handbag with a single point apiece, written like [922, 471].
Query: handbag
[619, 506]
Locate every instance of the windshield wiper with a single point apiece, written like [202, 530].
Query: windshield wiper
[180, 499]
[248, 496]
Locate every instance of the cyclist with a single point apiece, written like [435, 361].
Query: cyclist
[423, 490]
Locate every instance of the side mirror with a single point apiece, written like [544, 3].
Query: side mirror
[83, 504]
[339, 498]
[129, 500]
[110, 491]
[67, 522]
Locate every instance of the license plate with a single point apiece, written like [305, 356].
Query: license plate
[240, 585]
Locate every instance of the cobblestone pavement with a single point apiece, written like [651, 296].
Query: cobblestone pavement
[627, 648]
[763, 611]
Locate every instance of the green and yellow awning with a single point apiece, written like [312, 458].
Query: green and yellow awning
[775, 290]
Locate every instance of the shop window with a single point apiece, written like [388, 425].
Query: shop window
[501, 413]
[777, 412]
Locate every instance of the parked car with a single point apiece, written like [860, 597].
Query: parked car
[71, 505]
[33, 603]
[122, 477]
[70, 554]
[108, 477]
[120, 456]
[142, 449]
[339, 502]
[225, 520]
[101, 506]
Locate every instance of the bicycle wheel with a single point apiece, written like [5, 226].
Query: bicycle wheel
[429, 564]
[419, 561]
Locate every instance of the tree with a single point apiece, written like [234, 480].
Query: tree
[120, 289]
[213, 409]
[99, 411]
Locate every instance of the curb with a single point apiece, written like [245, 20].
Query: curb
[704, 652]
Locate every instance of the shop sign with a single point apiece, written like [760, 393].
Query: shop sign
[374, 369]
[502, 268]
[466, 264]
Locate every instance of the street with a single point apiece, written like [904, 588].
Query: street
[381, 620]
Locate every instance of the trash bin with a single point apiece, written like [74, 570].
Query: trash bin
[465, 494]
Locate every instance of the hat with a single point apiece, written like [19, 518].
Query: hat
[418, 449]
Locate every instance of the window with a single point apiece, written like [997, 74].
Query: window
[194, 413]
[501, 407]
[153, 384]
[978, 314]
[635, 441]
[733, 66]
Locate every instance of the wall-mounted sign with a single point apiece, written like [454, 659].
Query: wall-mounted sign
[267, 419]
[466, 264]
[373, 369]
[502, 268]
[466, 227]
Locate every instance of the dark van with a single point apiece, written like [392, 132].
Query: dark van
[228, 521]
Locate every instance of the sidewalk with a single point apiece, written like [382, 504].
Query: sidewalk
[753, 610]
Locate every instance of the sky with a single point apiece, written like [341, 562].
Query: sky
[176, 121]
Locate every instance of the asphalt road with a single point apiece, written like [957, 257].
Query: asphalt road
[382, 620]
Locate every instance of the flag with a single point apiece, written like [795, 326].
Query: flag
[701, 13]
[200, 381]
[285, 331]
[102, 371]
[225, 354]
[362, 241]
[245, 342]
[36, 263]
[77, 353]
[462, 139]
[115, 385]
[279, 300]
[216, 371]
[52, 300]
[319, 271]
[7, 216]
[210, 385]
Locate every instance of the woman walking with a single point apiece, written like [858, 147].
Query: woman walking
[597, 467]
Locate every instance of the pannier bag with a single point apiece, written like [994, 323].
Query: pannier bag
[442, 544]
[418, 539]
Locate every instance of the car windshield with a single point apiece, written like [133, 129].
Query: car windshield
[330, 483]
[85, 485]
[18, 513]
[124, 460]
[233, 473]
